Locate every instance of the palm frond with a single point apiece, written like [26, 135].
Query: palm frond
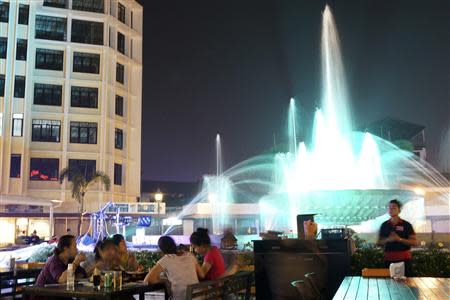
[101, 177]
[79, 186]
[63, 173]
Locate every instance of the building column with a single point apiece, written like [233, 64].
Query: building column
[52, 222]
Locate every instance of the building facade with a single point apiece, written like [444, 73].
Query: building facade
[70, 96]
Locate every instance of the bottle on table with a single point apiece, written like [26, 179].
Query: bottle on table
[96, 279]
[70, 278]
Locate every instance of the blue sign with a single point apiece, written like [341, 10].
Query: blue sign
[145, 221]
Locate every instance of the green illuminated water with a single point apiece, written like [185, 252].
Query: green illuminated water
[344, 176]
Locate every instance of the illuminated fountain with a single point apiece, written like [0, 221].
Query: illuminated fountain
[214, 199]
[345, 176]
[219, 193]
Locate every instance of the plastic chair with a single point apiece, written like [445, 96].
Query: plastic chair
[311, 278]
[299, 286]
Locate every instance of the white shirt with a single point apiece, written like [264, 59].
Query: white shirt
[180, 271]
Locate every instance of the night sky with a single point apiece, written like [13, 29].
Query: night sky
[232, 66]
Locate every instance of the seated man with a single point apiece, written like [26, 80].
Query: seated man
[55, 269]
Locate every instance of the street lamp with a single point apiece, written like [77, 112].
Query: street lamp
[159, 196]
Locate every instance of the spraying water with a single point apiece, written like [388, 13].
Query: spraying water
[346, 177]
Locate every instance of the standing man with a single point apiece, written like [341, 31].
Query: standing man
[397, 236]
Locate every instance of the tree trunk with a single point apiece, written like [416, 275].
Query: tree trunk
[80, 221]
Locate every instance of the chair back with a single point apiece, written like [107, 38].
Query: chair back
[299, 286]
[222, 288]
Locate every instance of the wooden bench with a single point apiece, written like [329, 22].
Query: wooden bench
[237, 284]
[12, 283]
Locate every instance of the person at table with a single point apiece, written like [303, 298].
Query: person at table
[105, 259]
[397, 236]
[213, 264]
[22, 239]
[181, 268]
[127, 260]
[34, 239]
[55, 269]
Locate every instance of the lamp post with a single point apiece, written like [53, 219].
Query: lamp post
[159, 197]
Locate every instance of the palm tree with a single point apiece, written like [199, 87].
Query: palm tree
[80, 184]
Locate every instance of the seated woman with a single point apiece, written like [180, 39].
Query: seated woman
[213, 264]
[127, 261]
[180, 267]
[55, 269]
[106, 257]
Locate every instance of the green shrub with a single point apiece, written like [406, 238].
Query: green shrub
[42, 253]
[368, 257]
[147, 258]
[433, 262]
[246, 258]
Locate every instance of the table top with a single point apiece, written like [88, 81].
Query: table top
[8, 271]
[426, 288]
[87, 290]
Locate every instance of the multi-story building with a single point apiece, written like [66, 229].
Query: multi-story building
[70, 96]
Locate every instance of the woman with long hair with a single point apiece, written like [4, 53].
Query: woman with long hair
[181, 268]
[55, 269]
[106, 257]
[127, 260]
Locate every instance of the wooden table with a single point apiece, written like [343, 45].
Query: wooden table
[88, 292]
[427, 288]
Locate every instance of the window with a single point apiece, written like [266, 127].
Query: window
[56, 3]
[86, 62]
[88, 5]
[21, 50]
[46, 131]
[51, 28]
[120, 43]
[19, 87]
[47, 94]
[118, 141]
[120, 73]
[119, 105]
[17, 125]
[131, 48]
[83, 133]
[109, 37]
[49, 59]
[4, 12]
[87, 32]
[3, 47]
[14, 169]
[23, 14]
[84, 97]
[44, 169]
[121, 13]
[131, 19]
[117, 174]
[85, 167]
[2, 85]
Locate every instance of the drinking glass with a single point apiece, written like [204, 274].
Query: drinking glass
[97, 279]
[118, 280]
